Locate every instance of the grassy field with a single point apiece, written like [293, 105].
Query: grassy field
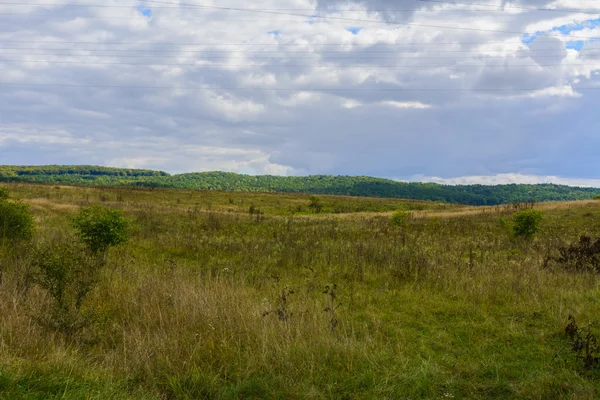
[210, 300]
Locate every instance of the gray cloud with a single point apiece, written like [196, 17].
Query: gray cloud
[191, 89]
[388, 10]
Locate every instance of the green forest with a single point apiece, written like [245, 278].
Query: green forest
[316, 184]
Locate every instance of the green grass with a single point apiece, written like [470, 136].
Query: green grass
[448, 306]
[61, 380]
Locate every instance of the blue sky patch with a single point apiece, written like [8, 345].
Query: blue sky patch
[354, 30]
[528, 39]
[577, 45]
[276, 32]
[565, 30]
[145, 11]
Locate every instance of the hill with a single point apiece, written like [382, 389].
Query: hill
[316, 184]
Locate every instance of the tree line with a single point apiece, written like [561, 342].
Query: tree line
[316, 184]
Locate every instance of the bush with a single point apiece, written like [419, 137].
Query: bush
[597, 197]
[4, 193]
[526, 223]
[315, 203]
[67, 274]
[399, 218]
[101, 228]
[16, 222]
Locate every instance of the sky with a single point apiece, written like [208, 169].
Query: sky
[441, 91]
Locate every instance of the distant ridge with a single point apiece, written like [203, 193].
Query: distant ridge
[315, 184]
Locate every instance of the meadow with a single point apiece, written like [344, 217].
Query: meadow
[221, 295]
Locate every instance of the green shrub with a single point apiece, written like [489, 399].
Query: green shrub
[400, 218]
[4, 193]
[526, 223]
[597, 197]
[101, 228]
[16, 222]
[315, 203]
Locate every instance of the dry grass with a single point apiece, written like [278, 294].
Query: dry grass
[450, 307]
[49, 205]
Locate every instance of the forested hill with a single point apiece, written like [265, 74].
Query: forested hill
[317, 184]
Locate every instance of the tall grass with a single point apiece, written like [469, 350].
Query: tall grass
[448, 306]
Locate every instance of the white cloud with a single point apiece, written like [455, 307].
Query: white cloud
[566, 91]
[351, 103]
[196, 89]
[137, 162]
[36, 136]
[231, 108]
[405, 104]
[502, 179]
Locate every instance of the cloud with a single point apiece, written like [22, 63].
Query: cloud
[370, 91]
[16, 135]
[405, 104]
[503, 179]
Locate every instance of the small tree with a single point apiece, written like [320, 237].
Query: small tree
[315, 203]
[526, 223]
[101, 228]
[4, 193]
[16, 222]
[67, 274]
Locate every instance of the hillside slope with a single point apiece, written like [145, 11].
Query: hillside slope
[317, 184]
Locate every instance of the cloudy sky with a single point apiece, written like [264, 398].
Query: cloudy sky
[446, 91]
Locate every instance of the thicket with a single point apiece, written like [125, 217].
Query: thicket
[581, 256]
